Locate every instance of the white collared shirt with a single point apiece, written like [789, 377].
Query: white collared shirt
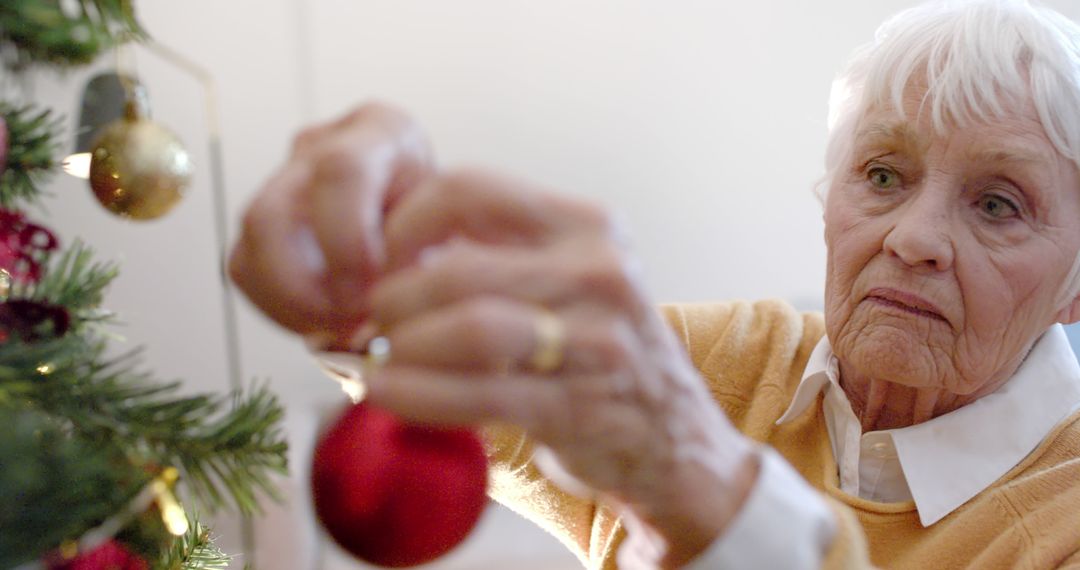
[944, 462]
[940, 463]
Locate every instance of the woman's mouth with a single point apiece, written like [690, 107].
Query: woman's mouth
[907, 302]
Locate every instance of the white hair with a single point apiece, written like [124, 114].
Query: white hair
[975, 57]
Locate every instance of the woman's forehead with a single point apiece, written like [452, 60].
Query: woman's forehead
[1015, 132]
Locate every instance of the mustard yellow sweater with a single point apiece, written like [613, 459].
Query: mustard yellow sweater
[753, 356]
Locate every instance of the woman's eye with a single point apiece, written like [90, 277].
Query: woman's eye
[883, 177]
[997, 207]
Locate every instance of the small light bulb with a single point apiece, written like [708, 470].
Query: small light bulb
[172, 514]
[77, 165]
[175, 520]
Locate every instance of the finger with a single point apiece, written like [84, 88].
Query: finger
[446, 398]
[486, 208]
[308, 140]
[498, 335]
[546, 410]
[374, 156]
[570, 273]
[276, 264]
[483, 334]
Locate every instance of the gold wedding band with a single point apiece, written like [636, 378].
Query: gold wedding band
[550, 334]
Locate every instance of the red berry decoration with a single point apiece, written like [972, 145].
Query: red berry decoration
[32, 321]
[395, 494]
[23, 246]
[109, 556]
[3, 144]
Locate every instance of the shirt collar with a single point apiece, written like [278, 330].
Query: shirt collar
[953, 457]
[815, 378]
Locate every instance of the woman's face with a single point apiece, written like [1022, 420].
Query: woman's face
[946, 253]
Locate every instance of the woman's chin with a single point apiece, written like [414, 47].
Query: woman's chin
[893, 353]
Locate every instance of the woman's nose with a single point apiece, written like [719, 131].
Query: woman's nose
[921, 235]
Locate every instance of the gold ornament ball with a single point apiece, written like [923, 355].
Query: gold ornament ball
[139, 169]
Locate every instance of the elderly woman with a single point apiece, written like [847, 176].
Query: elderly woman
[927, 419]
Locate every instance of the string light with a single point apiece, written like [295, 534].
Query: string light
[172, 514]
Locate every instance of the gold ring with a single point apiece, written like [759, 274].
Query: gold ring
[550, 336]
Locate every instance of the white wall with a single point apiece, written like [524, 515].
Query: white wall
[702, 121]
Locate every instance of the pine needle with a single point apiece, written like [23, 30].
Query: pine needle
[194, 551]
[64, 34]
[33, 140]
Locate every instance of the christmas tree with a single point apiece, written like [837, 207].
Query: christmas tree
[102, 466]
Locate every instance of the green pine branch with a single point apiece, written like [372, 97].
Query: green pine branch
[81, 430]
[194, 551]
[227, 448]
[33, 142]
[59, 33]
[224, 456]
[74, 280]
[55, 485]
[234, 456]
[114, 426]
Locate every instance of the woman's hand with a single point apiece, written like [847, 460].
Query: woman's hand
[483, 272]
[501, 303]
[311, 243]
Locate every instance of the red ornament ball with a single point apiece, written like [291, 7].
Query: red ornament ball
[395, 494]
[109, 556]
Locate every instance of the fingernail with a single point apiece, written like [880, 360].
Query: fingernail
[309, 250]
[429, 255]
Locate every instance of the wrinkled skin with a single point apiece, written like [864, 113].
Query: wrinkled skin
[359, 227]
[311, 243]
[946, 258]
